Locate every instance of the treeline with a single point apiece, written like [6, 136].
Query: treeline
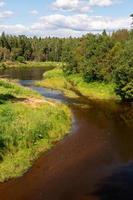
[23, 48]
[100, 57]
[105, 58]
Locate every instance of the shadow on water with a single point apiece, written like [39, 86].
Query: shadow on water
[118, 186]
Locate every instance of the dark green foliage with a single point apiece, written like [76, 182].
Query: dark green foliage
[101, 57]
[124, 72]
[69, 55]
[2, 66]
[21, 59]
[105, 58]
[37, 49]
[95, 49]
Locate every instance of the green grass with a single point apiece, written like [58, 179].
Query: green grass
[56, 79]
[93, 90]
[10, 90]
[27, 130]
[8, 64]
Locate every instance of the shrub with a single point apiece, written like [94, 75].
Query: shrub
[21, 59]
[124, 73]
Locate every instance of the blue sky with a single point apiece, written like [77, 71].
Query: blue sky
[63, 17]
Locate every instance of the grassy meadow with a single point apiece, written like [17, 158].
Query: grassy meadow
[29, 126]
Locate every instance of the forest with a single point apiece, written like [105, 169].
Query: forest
[66, 100]
[103, 57]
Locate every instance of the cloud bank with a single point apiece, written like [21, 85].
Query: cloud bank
[75, 20]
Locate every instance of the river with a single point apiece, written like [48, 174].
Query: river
[95, 162]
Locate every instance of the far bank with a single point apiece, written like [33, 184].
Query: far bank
[11, 64]
[74, 86]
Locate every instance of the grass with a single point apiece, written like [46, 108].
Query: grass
[93, 90]
[56, 79]
[27, 130]
[9, 88]
[8, 64]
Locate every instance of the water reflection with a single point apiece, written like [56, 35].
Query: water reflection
[24, 73]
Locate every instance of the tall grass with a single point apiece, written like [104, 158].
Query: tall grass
[11, 89]
[26, 131]
[93, 90]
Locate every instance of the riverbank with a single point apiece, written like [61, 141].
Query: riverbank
[30, 125]
[9, 64]
[74, 86]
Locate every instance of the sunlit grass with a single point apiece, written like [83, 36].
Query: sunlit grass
[56, 79]
[94, 90]
[26, 130]
[9, 88]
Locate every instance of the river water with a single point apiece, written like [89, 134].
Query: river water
[95, 162]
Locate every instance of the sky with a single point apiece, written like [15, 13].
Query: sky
[63, 18]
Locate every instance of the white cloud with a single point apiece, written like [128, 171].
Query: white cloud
[14, 29]
[74, 25]
[101, 2]
[64, 26]
[2, 3]
[72, 5]
[80, 22]
[5, 14]
[81, 5]
[33, 12]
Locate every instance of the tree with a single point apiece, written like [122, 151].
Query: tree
[121, 35]
[4, 42]
[94, 51]
[69, 56]
[124, 73]
[15, 53]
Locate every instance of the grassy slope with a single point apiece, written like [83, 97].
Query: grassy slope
[27, 129]
[94, 90]
[55, 79]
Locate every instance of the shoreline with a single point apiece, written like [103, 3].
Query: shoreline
[12, 64]
[74, 86]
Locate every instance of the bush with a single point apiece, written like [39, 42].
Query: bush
[21, 59]
[124, 82]
[2, 66]
[124, 72]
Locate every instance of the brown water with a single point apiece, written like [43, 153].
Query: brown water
[93, 163]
